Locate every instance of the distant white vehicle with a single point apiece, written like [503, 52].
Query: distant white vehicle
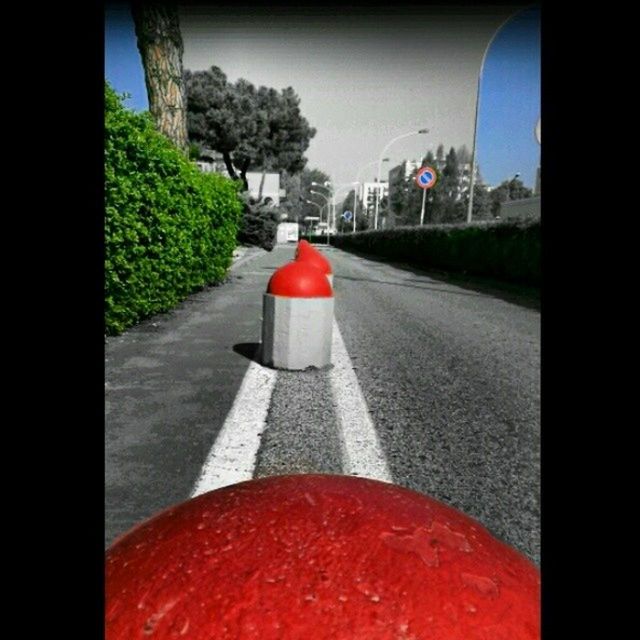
[288, 232]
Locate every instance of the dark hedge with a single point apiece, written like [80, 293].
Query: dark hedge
[507, 250]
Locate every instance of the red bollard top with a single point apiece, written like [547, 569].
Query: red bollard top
[320, 557]
[310, 254]
[299, 279]
[303, 244]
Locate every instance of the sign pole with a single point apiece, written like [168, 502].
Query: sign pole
[425, 179]
[355, 207]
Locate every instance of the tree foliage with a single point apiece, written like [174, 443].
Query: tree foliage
[513, 189]
[259, 225]
[447, 201]
[254, 128]
[481, 203]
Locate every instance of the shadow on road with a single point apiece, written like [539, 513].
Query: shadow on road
[250, 350]
[522, 295]
[407, 283]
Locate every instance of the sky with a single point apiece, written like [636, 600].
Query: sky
[366, 79]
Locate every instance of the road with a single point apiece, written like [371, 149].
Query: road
[446, 378]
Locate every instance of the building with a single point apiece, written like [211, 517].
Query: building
[404, 169]
[465, 180]
[368, 197]
[212, 162]
[271, 191]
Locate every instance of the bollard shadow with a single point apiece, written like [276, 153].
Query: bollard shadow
[250, 350]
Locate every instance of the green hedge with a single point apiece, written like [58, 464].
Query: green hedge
[169, 229]
[508, 250]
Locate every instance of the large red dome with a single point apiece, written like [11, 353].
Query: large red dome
[317, 557]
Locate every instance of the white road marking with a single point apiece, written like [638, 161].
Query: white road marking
[233, 456]
[362, 453]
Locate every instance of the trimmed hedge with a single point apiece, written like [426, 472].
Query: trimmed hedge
[506, 250]
[169, 229]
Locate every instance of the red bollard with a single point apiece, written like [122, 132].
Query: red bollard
[308, 253]
[302, 244]
[317, 557]
[297, 318]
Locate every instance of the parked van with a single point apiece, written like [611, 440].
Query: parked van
[287, 232]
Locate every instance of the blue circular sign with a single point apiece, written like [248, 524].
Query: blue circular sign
[347, 215]
[426, 177]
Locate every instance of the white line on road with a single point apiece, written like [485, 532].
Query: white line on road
[362, 453]
[233, 456]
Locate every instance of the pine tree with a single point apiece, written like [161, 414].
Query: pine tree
[160, 44]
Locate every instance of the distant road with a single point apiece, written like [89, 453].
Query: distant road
[434, 387]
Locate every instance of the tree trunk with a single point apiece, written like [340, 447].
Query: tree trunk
[160, 45]
[243, 174]
[264, 173]
[226, 156]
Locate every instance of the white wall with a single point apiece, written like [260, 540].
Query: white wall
[271, 188]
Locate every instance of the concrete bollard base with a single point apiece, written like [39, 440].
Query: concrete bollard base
[296, 332]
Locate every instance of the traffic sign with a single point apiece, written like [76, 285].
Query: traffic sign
[347, 215]
[426, 177]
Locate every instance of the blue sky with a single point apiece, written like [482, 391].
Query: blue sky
[123, 66]
[510, 101]
[361, 86]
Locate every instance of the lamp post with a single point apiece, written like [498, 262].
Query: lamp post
[328, 201]
[517, 175]
[475, 125]
[330, 214]
[404, 135]
[339, 187]
[355, 205]
[320, 207]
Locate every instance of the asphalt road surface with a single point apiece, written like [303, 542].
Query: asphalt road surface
[442, 383]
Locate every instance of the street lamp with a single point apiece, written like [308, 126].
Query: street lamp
[404, 135]
[355, 204]
[320, 208]
[517, 175]
[326, 185]
[339, 188]
[328, 201]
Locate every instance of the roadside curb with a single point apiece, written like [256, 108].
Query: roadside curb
[245, 254]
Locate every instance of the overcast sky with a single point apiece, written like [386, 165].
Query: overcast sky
[365, 79]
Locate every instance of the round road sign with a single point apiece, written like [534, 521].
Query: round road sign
[426, 177]
[347, 215]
